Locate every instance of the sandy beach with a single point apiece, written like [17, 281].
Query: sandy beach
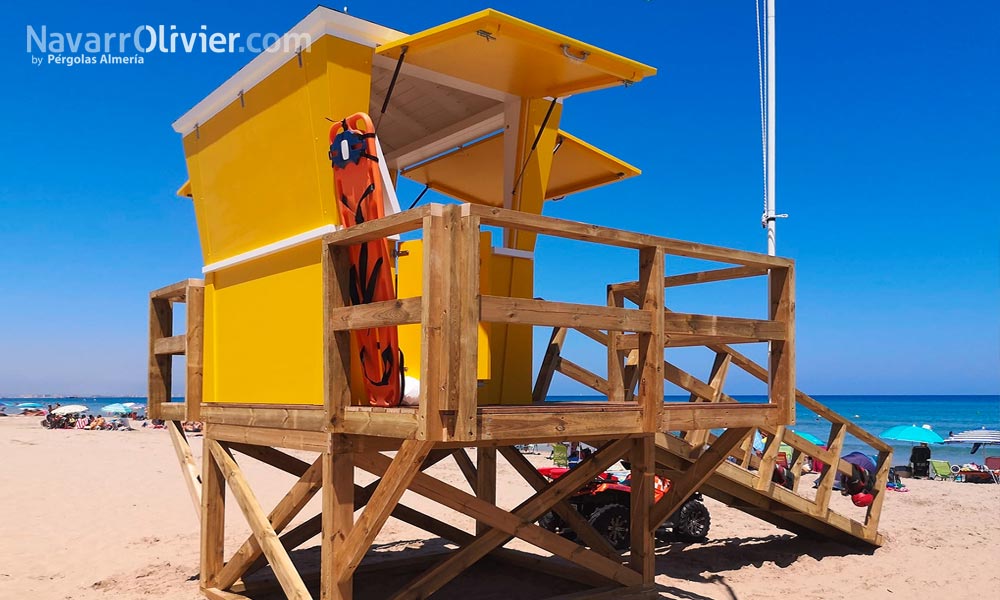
[100, 515]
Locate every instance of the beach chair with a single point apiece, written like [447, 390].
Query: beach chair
[993, 464]
[941, 469]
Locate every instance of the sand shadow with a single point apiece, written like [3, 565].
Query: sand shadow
[691, 561]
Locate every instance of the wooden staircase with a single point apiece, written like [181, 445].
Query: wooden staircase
[733, 473]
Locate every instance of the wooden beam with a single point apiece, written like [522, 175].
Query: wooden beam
[169, 346]
[716, 381]
[435, 326]
[401, 222]
[586, 532]
[517, 524]
[394, 482]
[642, 557]
[402, 311]
[175, 291]
[464, 311]
[336, 579]
[688, 483]
[549, 363]
[311, 441]
[616, 360]
[189, 470]
[213, 518]
[615, 237]
[466, 466]
[771, 449]
[650, 359]
[486, 481]
[781, 358]
[829, 474]
[274, 416]
[287, 509]
[577, 373]
[502, 309]
[194, 351]
[289, 578]
[699, 277]
[336, 266]
[161, 316]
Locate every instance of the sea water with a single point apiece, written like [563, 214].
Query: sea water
[873, 413]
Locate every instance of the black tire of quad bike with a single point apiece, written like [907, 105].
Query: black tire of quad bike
[613, 522]
[693, 522]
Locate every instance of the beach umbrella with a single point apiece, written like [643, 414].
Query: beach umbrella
[29, 405]
[810, 438]
[986, 437]
[116, 408]
[134, 405]
[912, 433]
[70, 409]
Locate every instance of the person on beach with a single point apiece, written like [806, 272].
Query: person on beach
[860, 483]
[920, 458]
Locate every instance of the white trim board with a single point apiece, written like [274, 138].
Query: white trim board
[514, 253]
[321, 21]
[272, 248]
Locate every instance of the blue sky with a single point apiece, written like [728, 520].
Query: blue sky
[888, 162]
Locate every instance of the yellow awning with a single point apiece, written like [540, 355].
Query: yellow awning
[475, 173]
[185, 190]
[507, 54]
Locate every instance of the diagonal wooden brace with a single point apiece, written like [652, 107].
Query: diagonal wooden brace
[698, 473]
[289, 578]
[395, 480]
[294, 501]
[519, 523]
[563, 508]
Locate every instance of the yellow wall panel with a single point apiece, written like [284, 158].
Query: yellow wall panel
[267, 329]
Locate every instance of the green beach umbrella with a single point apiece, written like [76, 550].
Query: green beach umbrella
[912, 433]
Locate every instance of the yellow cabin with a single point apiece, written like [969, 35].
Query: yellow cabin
[463, 116]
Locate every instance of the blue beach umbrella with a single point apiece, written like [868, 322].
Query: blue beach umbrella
[911, 433]
[29, 405]
[116, 408]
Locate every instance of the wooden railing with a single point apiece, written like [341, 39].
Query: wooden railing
[451, 307]
[164, 345]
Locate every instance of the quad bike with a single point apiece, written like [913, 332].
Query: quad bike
[605, 502]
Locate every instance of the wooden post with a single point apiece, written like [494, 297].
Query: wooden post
[486, 480]
[771, 449]
[161, 316]
[336, 344]
[336, 583]
[829, 474]
[781, 359]
[194, 347]
[643, 558]
[434, 326]
[463, 356]
[616, 364]
[651, 292]
[213, 518]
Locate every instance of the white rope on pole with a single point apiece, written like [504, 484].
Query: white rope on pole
[770, 96]
[763, 117]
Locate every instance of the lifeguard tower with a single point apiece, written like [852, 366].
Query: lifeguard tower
[470, 109]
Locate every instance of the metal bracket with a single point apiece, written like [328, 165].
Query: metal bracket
[583, 53]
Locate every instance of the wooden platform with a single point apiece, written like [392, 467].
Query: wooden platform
[632, 425]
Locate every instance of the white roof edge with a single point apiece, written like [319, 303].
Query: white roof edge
[321, 21]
